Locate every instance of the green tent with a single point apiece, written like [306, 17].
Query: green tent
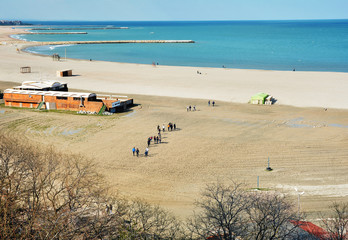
[259, 98]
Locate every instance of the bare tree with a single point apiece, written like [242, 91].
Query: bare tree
[45, 194]
[152, 222]
[337, 224]
[270, 215]
[221, 212]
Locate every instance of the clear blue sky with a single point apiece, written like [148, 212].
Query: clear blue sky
[162, 10]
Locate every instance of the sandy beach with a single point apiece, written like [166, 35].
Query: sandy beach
[306, 144]
[302, 89]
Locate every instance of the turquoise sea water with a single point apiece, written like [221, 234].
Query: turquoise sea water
[318, 45]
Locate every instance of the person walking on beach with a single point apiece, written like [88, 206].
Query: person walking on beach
[194, 107]
[163, 128]
[213, 103]
[209, 103]
[146, 152]
[174, 126]
[158, 128]
[133, 150]
[137, 151]
[148, 141]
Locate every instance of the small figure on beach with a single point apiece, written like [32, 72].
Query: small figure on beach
[148, 141]
[163, 127]
[133, 150]
[190, 107]
[209, 103]
[194, 107]
[174, 126]
[158, 128]
[146, 152]
[213, 103]
[293, 69]
[137, 151]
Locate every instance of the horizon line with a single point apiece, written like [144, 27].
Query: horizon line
[216, 20]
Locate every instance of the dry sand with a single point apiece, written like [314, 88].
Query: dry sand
[232, 141]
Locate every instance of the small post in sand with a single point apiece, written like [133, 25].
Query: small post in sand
[268, 167]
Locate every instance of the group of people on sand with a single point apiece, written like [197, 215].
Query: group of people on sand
[212, 103]
[189, 108]
[170, 127]
[156, 139]
[136, 151]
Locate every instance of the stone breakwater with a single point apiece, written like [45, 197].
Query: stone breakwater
[113, 42]
[54, 33]
[95, 28]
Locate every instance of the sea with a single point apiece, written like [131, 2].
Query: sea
[300, 45]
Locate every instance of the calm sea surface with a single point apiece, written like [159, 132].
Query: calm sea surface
[318, 45]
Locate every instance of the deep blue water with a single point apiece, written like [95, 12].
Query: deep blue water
[311, 45]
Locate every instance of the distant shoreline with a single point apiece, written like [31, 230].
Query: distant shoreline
[236, 55]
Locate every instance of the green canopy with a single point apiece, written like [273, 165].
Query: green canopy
[259, 98]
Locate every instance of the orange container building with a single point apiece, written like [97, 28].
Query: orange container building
[73, 101]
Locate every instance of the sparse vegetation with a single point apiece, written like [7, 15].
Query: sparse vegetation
[230, 212]
[337, 223]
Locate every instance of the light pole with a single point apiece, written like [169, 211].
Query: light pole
[298, 200]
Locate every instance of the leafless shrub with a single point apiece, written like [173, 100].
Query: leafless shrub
[222, 213]
[270, 215]
[50, 195]
[152, 222]
[337, 223]
[231, 212]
